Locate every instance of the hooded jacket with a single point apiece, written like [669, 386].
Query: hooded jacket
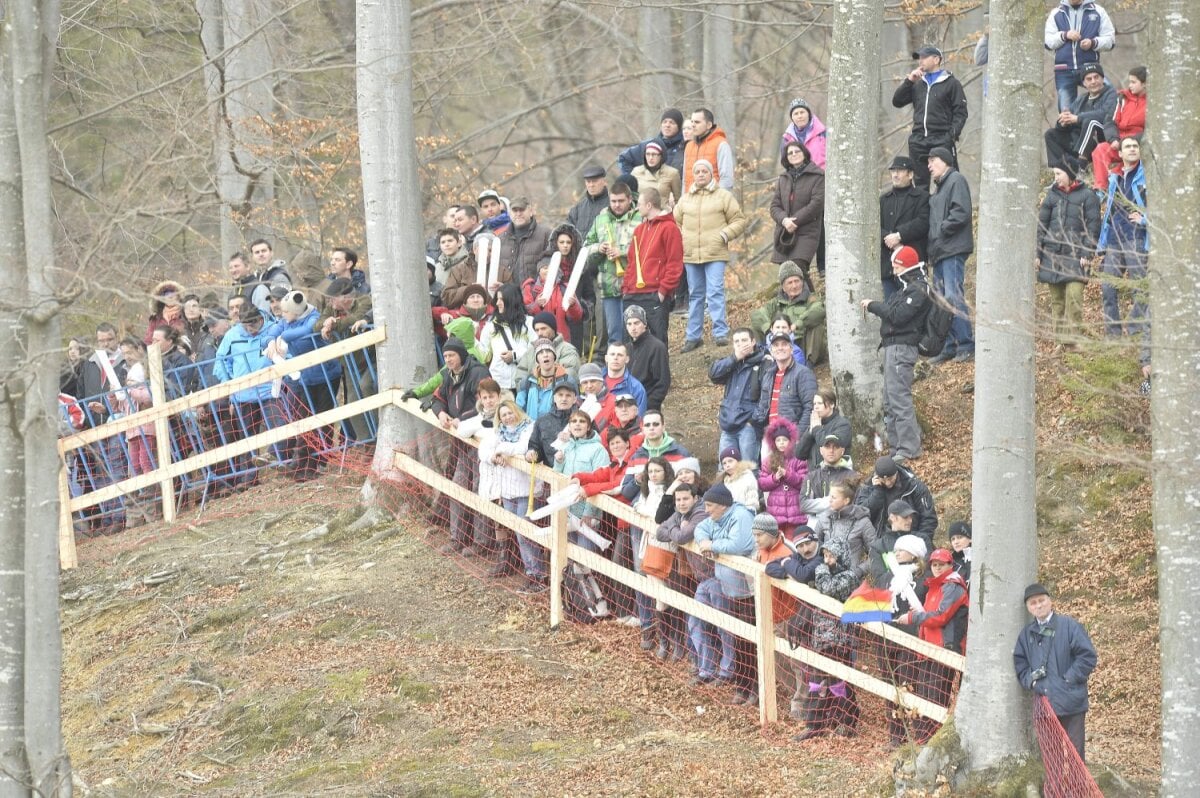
[616, 230]
[785, 494]
[939, 107]
[503, 481]
[937, 621]
[635, 155]
[1128, 118]
[849, 527]
[462, 328]
[1131, 188]
[658, 247]
[567, 356]
[837, 582]
[581, 455]
[456, 395]
[301, 339]
[535, 396]
[799, 193]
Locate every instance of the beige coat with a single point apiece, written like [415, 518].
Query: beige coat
[709, 218]
[666, 180]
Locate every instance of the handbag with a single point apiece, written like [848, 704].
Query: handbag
[656, 560]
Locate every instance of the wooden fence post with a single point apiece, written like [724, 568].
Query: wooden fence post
[764, 623]
[68, 557]
[162, 431]
[558, 563]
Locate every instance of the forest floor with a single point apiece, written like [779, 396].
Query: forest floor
[271, 647]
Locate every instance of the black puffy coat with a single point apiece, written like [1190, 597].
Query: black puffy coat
[1068, 227]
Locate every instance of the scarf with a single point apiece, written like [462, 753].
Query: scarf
[498, 221]
[509, 434]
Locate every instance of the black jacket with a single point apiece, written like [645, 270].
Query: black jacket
[809, 447]
[902, 316]
[877, 498]
[904, 211]
[1068, 227]
[456, 395]
[950, 218]
[939, 111]
[649, 363]
[545, 430]
[584, 213]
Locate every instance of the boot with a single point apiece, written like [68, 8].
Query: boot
[649, 636]
[509, 561]
[663, 650]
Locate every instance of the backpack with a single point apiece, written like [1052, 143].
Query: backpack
[937, 325]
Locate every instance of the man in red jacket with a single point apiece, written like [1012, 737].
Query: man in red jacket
[655, 262]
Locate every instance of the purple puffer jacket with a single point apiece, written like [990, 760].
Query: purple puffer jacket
[784, 496]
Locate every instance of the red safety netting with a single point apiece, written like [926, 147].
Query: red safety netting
[1066, 774]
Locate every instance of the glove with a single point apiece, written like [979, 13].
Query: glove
[404, 397]
[426, 404]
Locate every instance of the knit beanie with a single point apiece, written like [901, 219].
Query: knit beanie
[912, 544]
[789, 269]
[674, 114]
[719, 494]
[765, 522]
[547, 318]
[454, 345]
[731, 451]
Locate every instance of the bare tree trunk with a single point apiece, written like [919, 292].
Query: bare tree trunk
[34, 32]
[719, 77]
[1172, 177]
[992, 714]
[387, 148]
[654, 41]
[239, 89]
[12, 451]
[852, 214]
[692, 46]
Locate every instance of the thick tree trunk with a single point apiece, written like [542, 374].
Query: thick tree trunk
[12, 451]
[654, 41]
[852, 216]
[1173, 181]
[691, 44]
[719, 77]
[34, 31]
[387, 148]
[992, 713]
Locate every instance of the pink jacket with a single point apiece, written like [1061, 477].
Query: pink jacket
[784, 496]
[814, 140]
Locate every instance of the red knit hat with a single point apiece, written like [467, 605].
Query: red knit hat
[906, 258]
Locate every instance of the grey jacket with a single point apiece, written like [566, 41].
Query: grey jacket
[950, 218]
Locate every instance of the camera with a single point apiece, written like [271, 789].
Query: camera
[1040, 673]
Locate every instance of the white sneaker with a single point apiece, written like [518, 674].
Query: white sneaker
[630, 621]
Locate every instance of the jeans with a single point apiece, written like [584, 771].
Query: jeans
[645, 604]
[614, 318]
[745, 439]
[1066, 84]
[948, 277]
[706, 285]
[1121, 265]
[533, 556]
[705, 636]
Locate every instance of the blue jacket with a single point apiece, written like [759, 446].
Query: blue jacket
[635, 156]
[536, 400]
[582, 456]
[1064, 649]
[1094, 24]
[742, 380]
[301, 338]
[241, 354]
[1135, 193]
[631, 385]
[795, 395]
[731, 535]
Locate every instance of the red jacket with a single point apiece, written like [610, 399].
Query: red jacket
[783, 605]
[946, 594]
[530, 292]
[658, 247]
[1129, 117]
[605, 478]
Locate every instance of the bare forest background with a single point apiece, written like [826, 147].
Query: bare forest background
[182, 129]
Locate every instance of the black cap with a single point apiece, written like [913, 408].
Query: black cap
[901, 508]
[674, 114]
[1036, 589]
[340, 287]
[278, 291]
[832, 438]
[903, 162]
[518, 203]
[886, 467]
[960, 528]
[592, 171]
[928, 49]
[1088, 69]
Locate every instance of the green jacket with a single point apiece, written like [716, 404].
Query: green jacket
[462, 328]
[805, 312]
[608, 228]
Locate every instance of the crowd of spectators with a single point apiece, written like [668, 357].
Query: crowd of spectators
[553, 344]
